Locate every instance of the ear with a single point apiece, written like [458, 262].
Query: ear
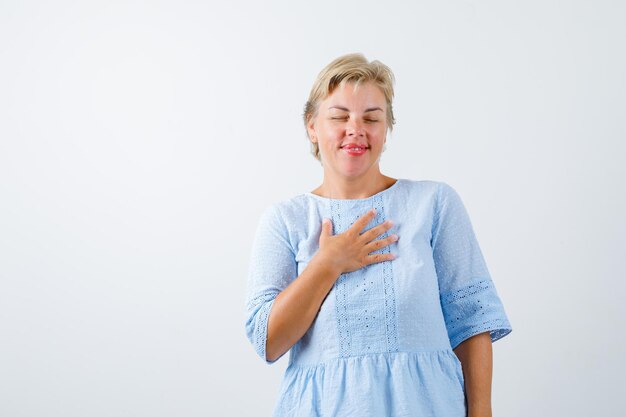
[310, 127]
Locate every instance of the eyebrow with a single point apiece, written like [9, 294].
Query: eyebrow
[345, 109]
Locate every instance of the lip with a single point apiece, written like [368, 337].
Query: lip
[355, 145]
[354, 149]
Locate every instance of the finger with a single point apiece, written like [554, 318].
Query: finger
[327, 227]
[380, 257]
[376, 231]
[363, 221]
[380, 243]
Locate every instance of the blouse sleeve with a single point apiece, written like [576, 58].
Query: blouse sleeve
[272, 268]
[469, 300]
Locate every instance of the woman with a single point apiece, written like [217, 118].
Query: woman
[377, 285]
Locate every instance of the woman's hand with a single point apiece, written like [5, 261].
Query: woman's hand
[350, 250]
[296, 307]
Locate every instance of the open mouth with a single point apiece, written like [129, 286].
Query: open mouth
[355, 149]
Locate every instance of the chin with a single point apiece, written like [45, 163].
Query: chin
[356, 171]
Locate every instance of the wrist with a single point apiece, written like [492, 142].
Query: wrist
[326, 262]
[479, 412]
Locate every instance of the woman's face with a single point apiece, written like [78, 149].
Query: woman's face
[350, 129]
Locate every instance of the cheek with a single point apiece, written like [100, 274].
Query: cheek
[333, 133]
[377, 134]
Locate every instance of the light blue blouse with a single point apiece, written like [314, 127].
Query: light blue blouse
[381, 344]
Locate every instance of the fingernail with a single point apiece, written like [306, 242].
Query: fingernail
[389, 222]
[394, 238]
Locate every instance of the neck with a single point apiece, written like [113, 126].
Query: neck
[345, 188]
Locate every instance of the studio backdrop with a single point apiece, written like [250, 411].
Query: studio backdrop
[140, 142]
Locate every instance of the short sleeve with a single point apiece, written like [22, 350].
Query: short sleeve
[469, 300]
[272, 267]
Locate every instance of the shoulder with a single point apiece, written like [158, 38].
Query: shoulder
[435, 186]
[420, 185]
[447, 195]
[289, 210]
[422, 191]
[287, 219]
[436, 194]
[287, 215]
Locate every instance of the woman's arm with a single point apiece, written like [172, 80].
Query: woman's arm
[296, 307]
[476, 358]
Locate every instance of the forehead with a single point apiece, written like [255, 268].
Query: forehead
[365, 94]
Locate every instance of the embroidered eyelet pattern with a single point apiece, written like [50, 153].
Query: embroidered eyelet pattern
[263, 303]
[365, 299]
[390, 296]
[472, 310]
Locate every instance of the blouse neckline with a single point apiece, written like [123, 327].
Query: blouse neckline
[378, 194]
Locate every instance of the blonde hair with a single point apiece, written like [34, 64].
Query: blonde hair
[353, 68]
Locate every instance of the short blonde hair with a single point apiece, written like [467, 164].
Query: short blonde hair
[353, 68]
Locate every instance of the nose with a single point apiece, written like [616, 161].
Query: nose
[354, 128]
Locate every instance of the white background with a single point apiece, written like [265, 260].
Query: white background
[140, 141]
